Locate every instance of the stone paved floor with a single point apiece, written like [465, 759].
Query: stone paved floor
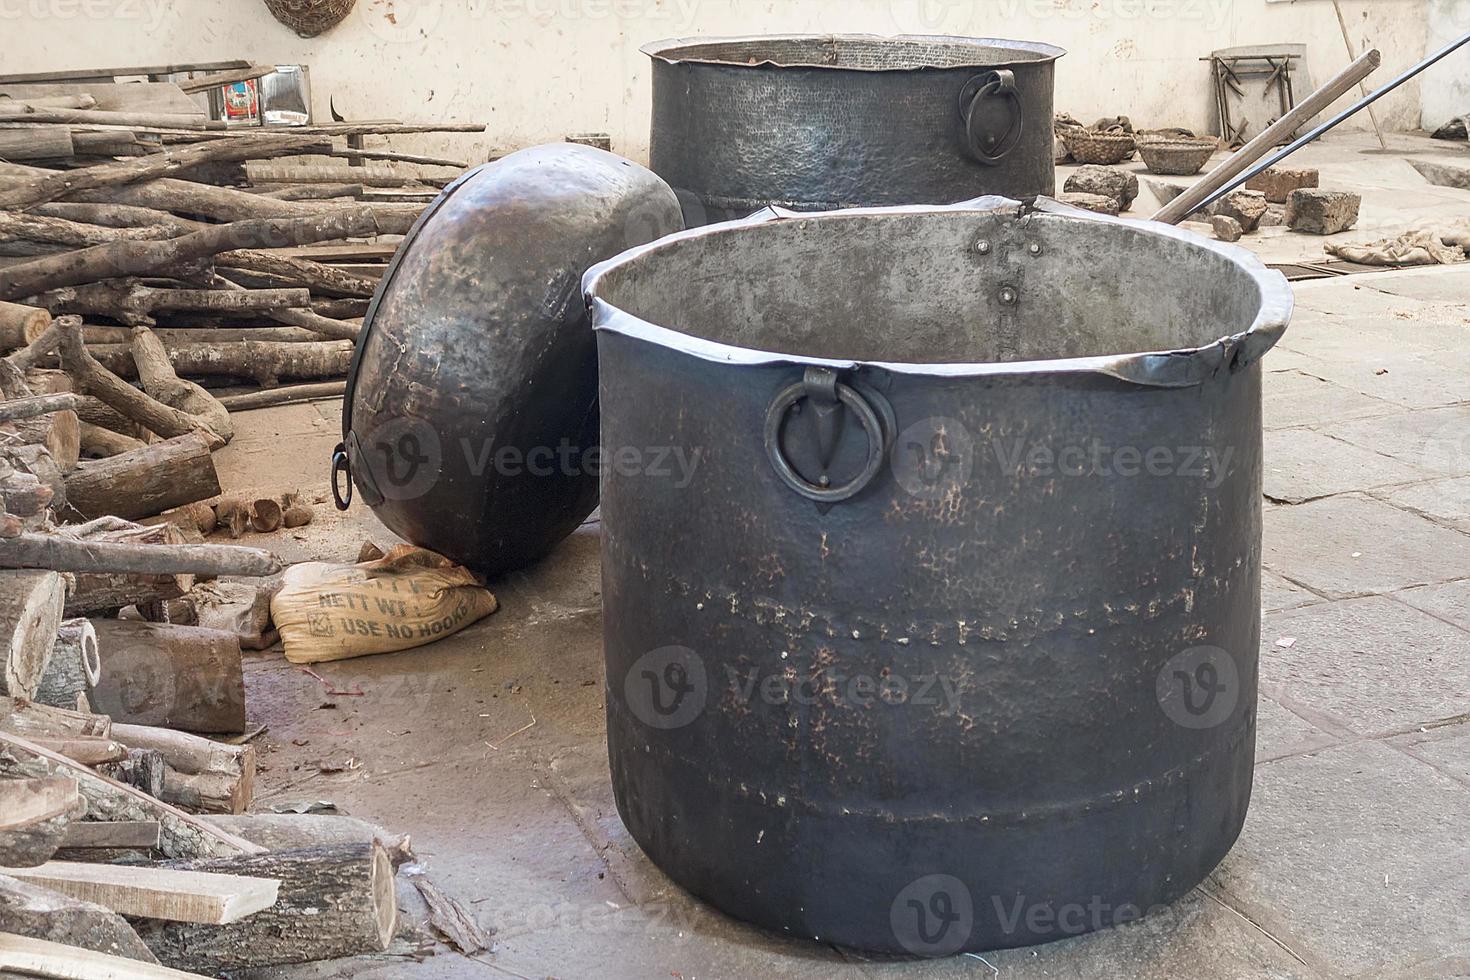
[1354, 861]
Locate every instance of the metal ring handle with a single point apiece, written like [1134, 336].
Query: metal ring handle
[984, 146]
[872, 426]
[341, 466]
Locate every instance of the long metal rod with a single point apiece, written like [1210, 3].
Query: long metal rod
[1332, 123]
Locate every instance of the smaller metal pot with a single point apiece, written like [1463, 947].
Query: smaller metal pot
[823, 122]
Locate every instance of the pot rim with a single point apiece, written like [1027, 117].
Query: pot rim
[1166, 368]
[666, 49]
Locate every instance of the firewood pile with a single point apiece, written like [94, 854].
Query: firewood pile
[149, 258]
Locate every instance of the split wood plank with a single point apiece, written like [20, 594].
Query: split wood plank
[53, 961]
[93, 834]
[156, 893]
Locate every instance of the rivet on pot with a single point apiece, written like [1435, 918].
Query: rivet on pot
[983, 247]
[1034, 248]
[1008, 295]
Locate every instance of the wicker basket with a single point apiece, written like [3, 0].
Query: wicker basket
[1091, 146]
[309, 18]
[1178, 157]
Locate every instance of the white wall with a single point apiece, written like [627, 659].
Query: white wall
[1446, 86]
[536, 70]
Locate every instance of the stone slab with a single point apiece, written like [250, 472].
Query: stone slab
[1355, 857]
[1351, 545]
[1445, 502]
[1303, 464]
[1449, 602]
[1376, 666]
[1435, 440]
[1278, 592]
[1292, 397]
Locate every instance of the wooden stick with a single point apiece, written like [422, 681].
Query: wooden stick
[117, 215]
[1185, 204]
[165, 164]
[31, 720]
[284, 396]
[24, 408]
[183, 835]
[24, 226]
[316, 276]
[156, 893]
[87, 751]
[39, 349]
[103, 592]
[138, 258]
[88, 117]
[117, 393]
[130, 298]
[155, 372]
[265, 362]
[39, 913]
[399, 158]
[27, 957]
[312, 192]
[63, 554]
[1362, 89]
[205, 83]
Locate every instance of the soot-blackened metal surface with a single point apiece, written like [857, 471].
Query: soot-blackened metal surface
[473, 397]
[988, 700]
[837, 121]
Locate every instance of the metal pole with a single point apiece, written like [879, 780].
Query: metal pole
[1332, 123]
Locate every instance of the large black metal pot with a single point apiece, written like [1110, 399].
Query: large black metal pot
[949, 640]
[848, 120]
[471, 410]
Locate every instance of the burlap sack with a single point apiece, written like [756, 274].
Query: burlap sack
[403, 600]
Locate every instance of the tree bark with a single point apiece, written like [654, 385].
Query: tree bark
[201, 775]
[265, 362]
[38, 721]
[334, 901]
[31, 604]
[145, 482]
[127, 299]
[143, 769]
[21, 226]
[179, 677]
[118, 216]
[49, 188]
[36, 143]
[40, 913]
[75, 667]
[315, 276]
[100, 443]
[283, 396]
[140, 257]
[29, 407]
[56, 552]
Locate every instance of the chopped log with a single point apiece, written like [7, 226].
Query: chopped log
[24, 408]
[102, 592]
[31, 604]
[117, 393]
[264, 362]
[65, 555]
[141, 257]
[159, 380]
[336, 900]
[23, 495]
[40, 913]
[232, 515]
[143, 769]
[341, 309]
[310, 192]
[34, 814]
[450, 919]
[21, 325]
[100, 443]
[148, 481]
[36, 460]
[169, 894]
[117, 216]
[19, 226]
[179, 336]
[314, 276]
[266, 515]
[75, 667]
[128, 299]
[201, 775]
[284, 396]
[297, 515]
[180, 677]
[293, 831]
[192, 517]
[108, 144]
[37, 350]
[87, 751]
[36, 143]
[59, 431]
[183, 835]
[31, 720]
[397, 157]
[49, 188]
[267, 173]
[93, 835]
[311, 320]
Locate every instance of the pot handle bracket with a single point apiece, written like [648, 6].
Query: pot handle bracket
[981, 139]
[827, 397]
